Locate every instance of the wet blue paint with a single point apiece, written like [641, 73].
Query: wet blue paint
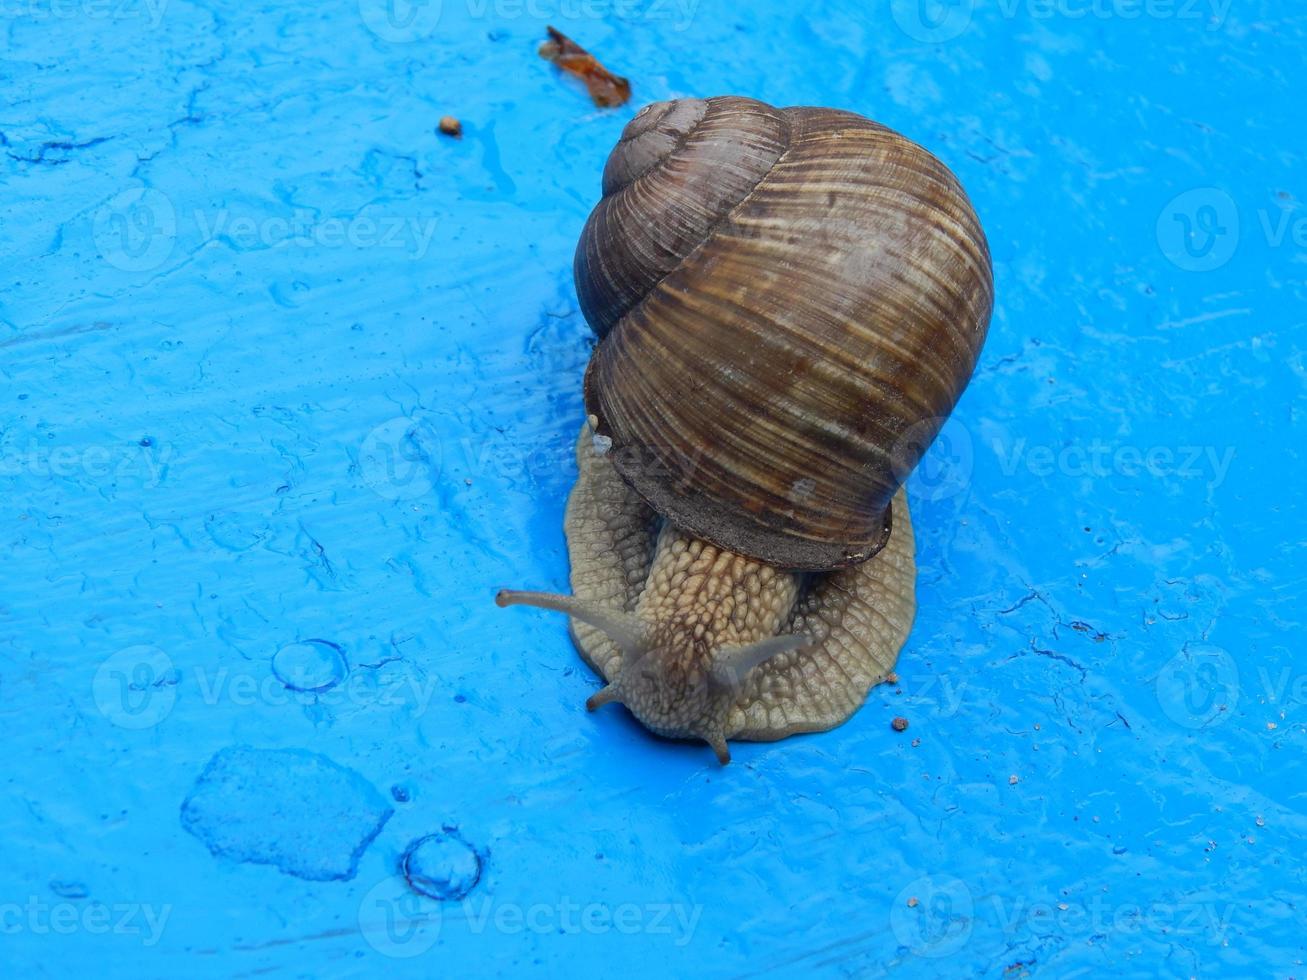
[282, 364]
[295, 810]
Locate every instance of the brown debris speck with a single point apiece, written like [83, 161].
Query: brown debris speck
[606, 89]
[899, 724]
[450, 126]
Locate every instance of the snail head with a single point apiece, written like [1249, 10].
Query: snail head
[675, 677]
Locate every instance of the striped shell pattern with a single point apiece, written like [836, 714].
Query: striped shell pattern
[789, 303]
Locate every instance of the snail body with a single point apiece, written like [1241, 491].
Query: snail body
[789, 303]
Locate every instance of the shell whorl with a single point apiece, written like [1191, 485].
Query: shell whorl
[790, 302]
[679, 168]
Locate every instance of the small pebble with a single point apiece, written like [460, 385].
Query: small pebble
[899, 724]
[1013, 780]
[912, 902]
[891, 678]
[450, 126]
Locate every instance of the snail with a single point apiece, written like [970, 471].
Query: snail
[789, 303]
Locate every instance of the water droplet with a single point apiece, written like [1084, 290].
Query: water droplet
[312, 666]
[442, 866]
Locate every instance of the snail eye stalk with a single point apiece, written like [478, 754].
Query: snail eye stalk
[622, 628]
[732, 664]
[718, 743]
[607, 695]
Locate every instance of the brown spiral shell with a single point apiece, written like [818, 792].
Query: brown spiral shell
[789, 304]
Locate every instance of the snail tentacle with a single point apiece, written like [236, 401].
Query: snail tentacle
[718, 742]
[733, 663]
[606, 695]
[622, 628]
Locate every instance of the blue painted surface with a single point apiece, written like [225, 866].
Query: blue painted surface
[283, 365]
